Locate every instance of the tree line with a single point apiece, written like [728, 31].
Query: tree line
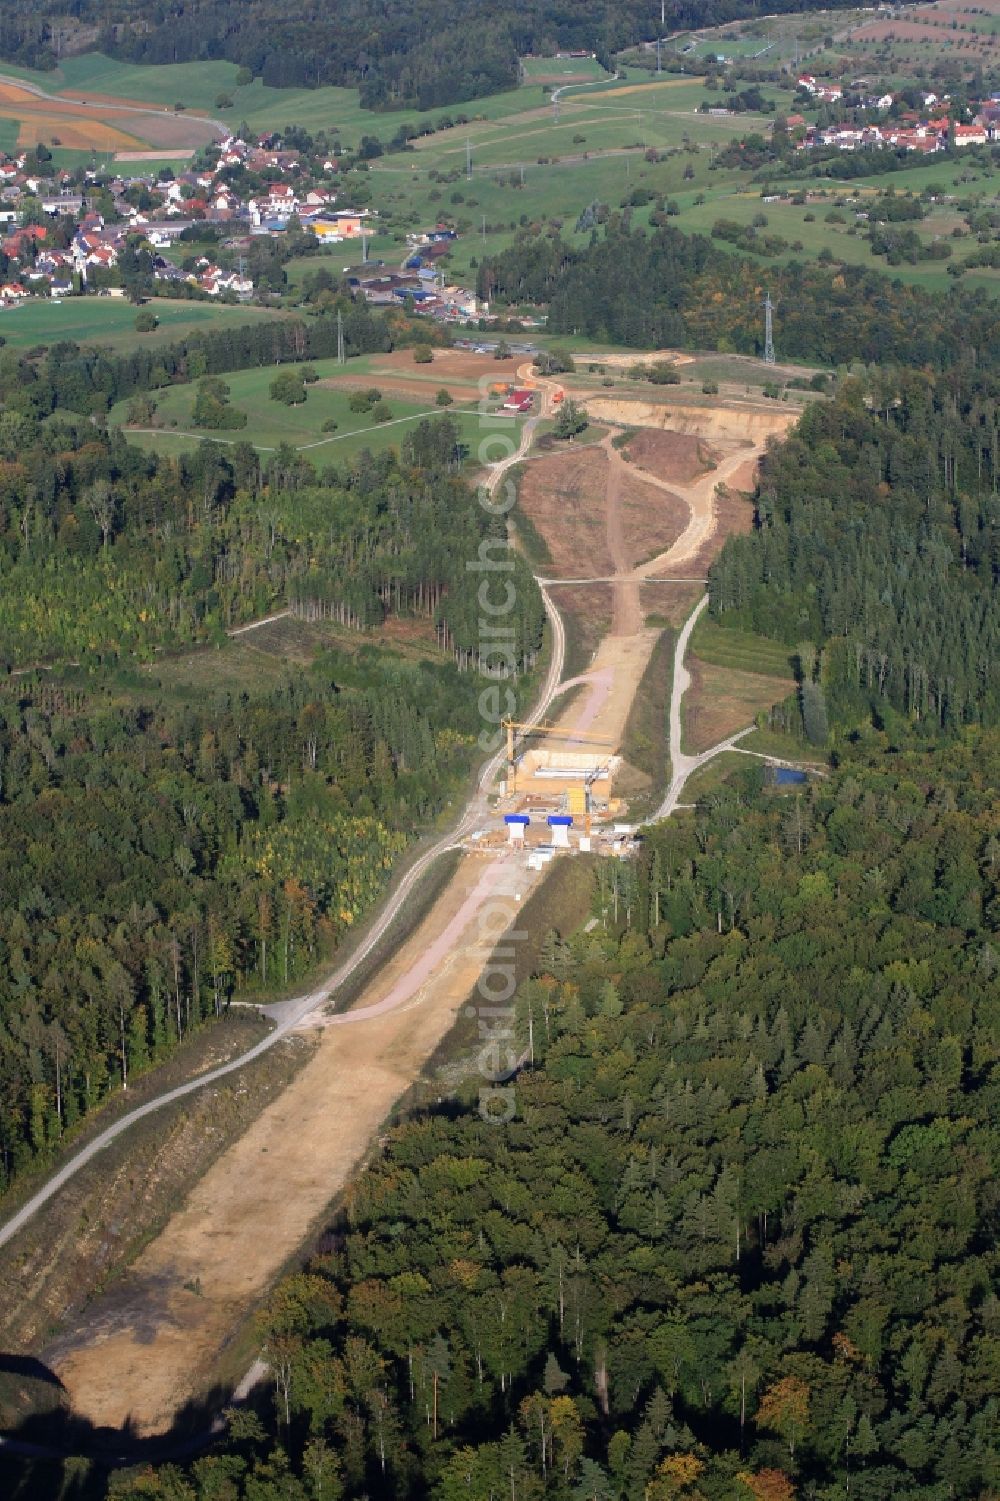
[664, 289]
[89, 379]
[398, 53]
[107, 553]
[876, 552]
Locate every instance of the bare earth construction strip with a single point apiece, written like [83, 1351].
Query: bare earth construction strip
[143, 1349]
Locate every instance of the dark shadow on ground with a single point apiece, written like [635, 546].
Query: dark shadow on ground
[50, 1453]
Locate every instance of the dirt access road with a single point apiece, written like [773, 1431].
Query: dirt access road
[623, 654]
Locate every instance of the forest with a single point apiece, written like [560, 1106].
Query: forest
[662, 289]
[740, 1238]
[109, 554]
[159, 860]
[876, 553]
[397, 52]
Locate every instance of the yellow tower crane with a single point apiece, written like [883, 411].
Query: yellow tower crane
[513, 727]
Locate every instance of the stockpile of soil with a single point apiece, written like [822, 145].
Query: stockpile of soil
[675, 457]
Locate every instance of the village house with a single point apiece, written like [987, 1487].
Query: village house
[61, 203]
[262, 158]
[215, 281]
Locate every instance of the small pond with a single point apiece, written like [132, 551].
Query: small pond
[784, 775]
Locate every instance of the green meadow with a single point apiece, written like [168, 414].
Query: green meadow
[271, 423]
[111, 321]
[571, 68]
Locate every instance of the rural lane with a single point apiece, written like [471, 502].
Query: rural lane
[682, 765]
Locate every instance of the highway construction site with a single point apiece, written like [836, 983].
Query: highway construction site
[138, 1352]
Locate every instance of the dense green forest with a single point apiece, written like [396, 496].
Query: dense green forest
[397, 52]
[876, 551]
[662, 289]
[108, 552]
[740, 1238]
[159, 859]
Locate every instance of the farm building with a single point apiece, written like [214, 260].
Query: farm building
[519, 401]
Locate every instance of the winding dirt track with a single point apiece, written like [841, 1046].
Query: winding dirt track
[623, 655]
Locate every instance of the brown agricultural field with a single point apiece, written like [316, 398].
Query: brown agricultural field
[922, 32]
[170, 130]
[464, 375]
[74, 134]
[413, 389]
[96, 125]
[927, 33]
[448, 364]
